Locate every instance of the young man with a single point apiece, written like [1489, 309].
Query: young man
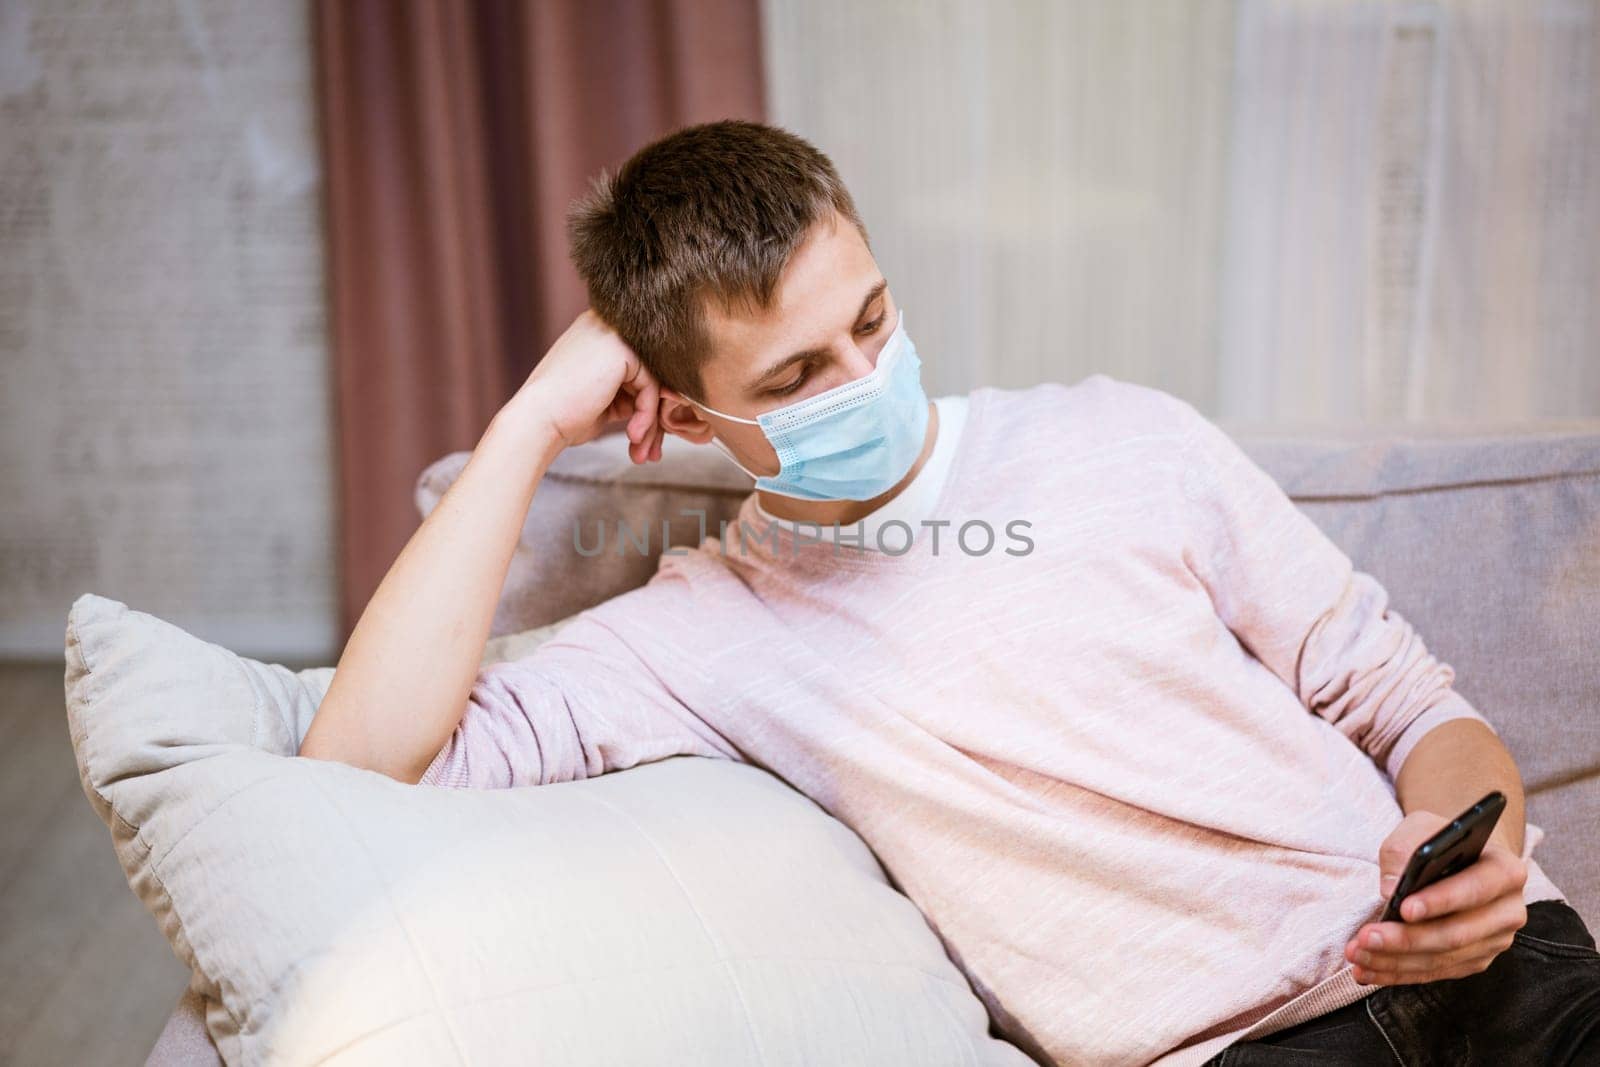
[1148, 753]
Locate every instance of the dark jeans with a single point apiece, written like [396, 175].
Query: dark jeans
[1537, 1003]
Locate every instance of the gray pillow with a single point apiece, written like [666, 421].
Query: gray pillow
[689, 910]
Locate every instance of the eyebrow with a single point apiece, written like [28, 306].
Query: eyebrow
[779, 367]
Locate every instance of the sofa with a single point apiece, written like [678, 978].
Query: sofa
[1488, 540]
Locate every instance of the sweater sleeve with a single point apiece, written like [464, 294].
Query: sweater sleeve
[1297, 604]
[586, 702]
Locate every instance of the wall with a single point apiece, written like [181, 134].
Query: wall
[164, 384]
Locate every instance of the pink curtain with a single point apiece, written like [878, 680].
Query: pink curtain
[454, 135]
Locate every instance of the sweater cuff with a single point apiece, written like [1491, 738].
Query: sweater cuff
[1452, 706]
[439, 771]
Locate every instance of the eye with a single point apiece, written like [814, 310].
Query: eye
[868, 329]
[785, 390]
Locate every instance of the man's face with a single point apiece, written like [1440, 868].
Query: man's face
[830, 317]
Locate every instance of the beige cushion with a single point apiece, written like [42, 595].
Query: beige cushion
[689, 910]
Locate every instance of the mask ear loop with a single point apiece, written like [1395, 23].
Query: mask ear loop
[714, 411]
[722, 447]
[724, 450]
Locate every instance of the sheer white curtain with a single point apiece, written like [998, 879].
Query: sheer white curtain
[1413, 216]
[1281, 210]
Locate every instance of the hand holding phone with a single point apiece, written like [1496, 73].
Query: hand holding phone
[1473, 889]
[1455, 847]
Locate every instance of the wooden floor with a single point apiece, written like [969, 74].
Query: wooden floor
[86, 978]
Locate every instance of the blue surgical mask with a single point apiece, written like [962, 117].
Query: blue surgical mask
[853, 442]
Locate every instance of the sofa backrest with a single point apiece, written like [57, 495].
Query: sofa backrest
[592, 488]
[1487, 540]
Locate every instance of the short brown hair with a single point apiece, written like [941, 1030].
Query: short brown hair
[708, 212]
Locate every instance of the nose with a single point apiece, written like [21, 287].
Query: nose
[864, 354]
[859, 362]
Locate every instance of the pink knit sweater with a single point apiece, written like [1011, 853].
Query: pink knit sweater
[1133, 762]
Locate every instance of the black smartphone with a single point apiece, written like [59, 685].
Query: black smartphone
[1453, 848]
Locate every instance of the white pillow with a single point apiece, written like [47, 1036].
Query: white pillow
[686, 911]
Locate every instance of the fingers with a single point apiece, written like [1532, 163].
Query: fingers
[1430, 962]
[1450, 934]
[1402, 841]
[1461, 943]
[1460, 970]
[644, 431]
[618, 410]
[1496, 873]
[652, 450]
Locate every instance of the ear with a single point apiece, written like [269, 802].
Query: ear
[682, 419]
